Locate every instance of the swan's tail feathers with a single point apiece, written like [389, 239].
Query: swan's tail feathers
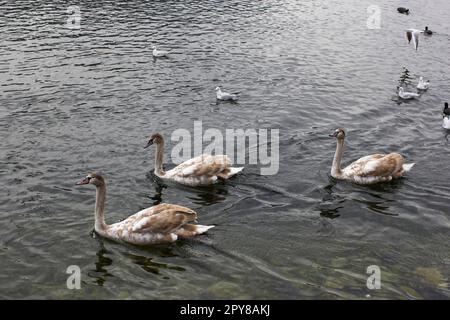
[235, 170]
[200, 229]
[229, 172]
[408, 166]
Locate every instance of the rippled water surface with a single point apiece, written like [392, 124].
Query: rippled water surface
[76, 101]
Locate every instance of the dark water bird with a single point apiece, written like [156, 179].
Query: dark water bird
[446, 109]
[427, 31]
[446, 116]
[403, 10]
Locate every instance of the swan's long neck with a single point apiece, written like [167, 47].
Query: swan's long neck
[159, 171]
[336, 167]
[100, 199]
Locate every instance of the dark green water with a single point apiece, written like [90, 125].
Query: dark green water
[76, 101]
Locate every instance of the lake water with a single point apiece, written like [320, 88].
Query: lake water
[75, 101]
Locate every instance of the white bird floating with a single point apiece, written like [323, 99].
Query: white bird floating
[159, 53]
[369, 169]
[446, 116]
[203, 170]
[413, 34]
[407, 95]
[162, 223]
[423, 85]
[220, 95]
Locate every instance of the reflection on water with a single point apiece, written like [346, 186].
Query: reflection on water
[157, 197]
[139, 256]
[148, 265]
[203, 196]
[100, 273]
[210, 195]
[331, 203]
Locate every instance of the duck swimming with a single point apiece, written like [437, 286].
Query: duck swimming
[403, 10]
[427, 31]
[162, 223]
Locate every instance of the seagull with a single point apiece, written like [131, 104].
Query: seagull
[225, 95]
[413, 34]
[427, 31]
[423, 85]
[403, 10]
[407, 95]
[159, 53]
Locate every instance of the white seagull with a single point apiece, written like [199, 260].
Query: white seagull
[159, 53]
[413, 34]
[407, 95]
[220, 95]
[423, 85]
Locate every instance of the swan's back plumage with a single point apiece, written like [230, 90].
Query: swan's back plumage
[202, 170]
[375, 168]
[157, 224]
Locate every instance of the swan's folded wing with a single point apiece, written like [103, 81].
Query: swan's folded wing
[164, 218]
[205, 165]
[379, 165]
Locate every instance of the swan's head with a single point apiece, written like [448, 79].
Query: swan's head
[421, 79]
[446, 106]
[400, 89]
[92, 178]
[426, 28]
[154, 139]
[154, 47]
[338, 134]
[217, 89]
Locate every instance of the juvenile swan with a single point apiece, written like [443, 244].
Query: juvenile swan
[199, 171]
[158, 224]
[370, 169]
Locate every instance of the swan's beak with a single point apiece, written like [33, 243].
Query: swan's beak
[333, 135]
[84, 181]
[149, 143]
